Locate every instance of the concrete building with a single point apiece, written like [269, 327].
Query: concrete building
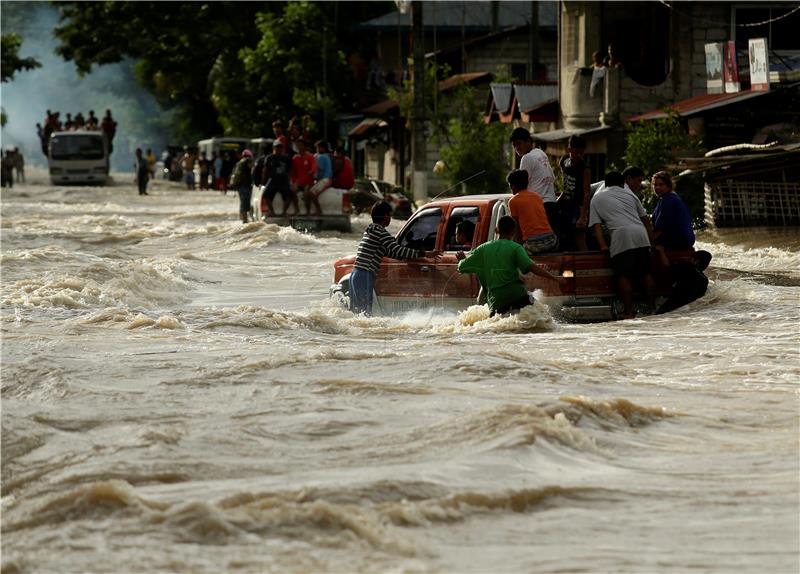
[662, 61]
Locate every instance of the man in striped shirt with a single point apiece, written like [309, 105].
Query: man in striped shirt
[376, 244]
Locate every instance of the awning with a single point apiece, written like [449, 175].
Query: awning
[563, 134]
[698, 104]
[469, 78]
[532, 96]
[537, 102]
[382, 107]
[503, 95]
[366, 126]
[530, 102]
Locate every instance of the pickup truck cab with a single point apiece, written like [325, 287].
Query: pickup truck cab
[589, 294]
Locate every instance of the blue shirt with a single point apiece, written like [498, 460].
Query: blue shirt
[671, 217]
[324, 166]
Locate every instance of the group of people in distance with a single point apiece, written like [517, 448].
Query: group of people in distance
[540, 222]
[53, 123]
[12, 161]
[291, 170]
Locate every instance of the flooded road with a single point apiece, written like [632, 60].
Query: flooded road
[178, 394]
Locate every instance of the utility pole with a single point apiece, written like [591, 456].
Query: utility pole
[533, 43]
[419, 148]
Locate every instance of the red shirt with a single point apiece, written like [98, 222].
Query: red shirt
[303, 169]
[345, 178]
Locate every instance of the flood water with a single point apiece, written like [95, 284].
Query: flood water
[179, 395]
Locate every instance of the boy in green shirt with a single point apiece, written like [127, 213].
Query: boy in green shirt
[498, 264]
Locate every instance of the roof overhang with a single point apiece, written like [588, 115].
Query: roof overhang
[530, 102]
[365, 126]
[564, 133]
[698, 104]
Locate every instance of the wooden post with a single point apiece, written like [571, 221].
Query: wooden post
[419, 149]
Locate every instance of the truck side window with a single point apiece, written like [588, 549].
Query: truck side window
[457, 215]
[421, 232]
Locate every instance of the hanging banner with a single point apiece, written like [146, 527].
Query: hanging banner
[714, 68]
[759, 64]
[730, 71]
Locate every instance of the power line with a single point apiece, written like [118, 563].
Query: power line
[716, 23]
[771, 20]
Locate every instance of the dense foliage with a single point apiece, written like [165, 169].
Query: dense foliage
[232, 66]
[473, 145]
[12, 62]
[654, 145]
[470, 150]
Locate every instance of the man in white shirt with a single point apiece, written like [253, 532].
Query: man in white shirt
[540, 174]
[625, 218]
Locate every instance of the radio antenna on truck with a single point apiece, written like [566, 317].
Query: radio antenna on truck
[465, 180]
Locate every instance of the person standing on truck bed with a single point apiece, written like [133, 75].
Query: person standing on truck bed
[527, 209]
[498, 264]
[540, 175]
[376, 243]
[630, 228]
[303, 169]
[277, 168]
[324, 176]
[573, 203]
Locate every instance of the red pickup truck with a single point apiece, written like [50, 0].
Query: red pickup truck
[589, 294]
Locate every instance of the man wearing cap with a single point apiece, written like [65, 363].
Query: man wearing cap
[276, 173]
[540, 175]
[242, 181]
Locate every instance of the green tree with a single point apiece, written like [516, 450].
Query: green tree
[654, 145]
[282, 75]
[226, 65]
[455, 121]
[12, 62]
[473, 145]
[175, 44]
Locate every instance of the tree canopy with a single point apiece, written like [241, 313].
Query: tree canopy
[232, 66]
[12, 62]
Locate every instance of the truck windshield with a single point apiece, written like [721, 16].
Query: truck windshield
[77, 147]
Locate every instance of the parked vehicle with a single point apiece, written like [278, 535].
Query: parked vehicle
[78, 157]
[590, 294]
[335, 204]
[261, 146]
[222, 144]
[367, 192]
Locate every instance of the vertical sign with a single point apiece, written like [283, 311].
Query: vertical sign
[759, 64]
[714, 68]
[730, 71]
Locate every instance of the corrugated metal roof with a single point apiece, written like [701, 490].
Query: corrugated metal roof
[471, 16]
[563, 134]
[698, 104]
[381, 107]
[503, 96]
[532, 96]
[365, 126]
[467, 78]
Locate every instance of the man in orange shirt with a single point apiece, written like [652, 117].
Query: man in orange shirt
[527, 208]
